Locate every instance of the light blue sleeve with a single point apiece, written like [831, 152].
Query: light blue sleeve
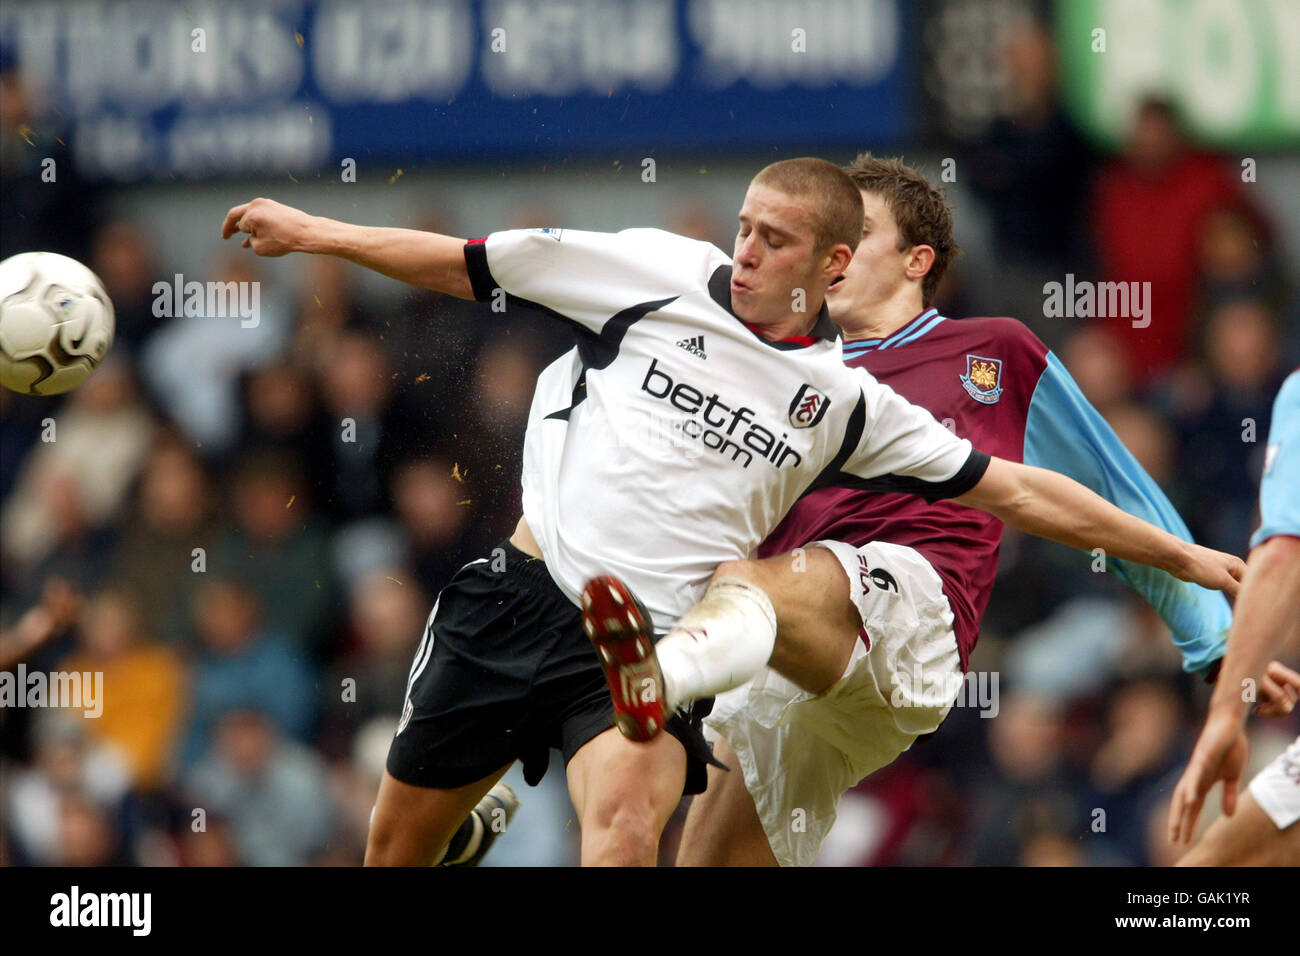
[1064, 433]
[1279, 489]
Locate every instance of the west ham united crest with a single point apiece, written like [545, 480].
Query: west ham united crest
[808, 407]
[983, 378]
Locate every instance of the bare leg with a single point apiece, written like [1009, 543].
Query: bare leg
[1247, 838]
[412, 825]
[722, 825]
[817, 623]
[624, 793]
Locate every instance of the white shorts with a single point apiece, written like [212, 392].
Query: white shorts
[1276, 788]
[798, 752]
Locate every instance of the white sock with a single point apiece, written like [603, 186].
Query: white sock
[719, 644]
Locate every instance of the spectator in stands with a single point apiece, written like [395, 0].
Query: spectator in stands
[273, 792]
[125, 261]
[192, 363]
[68, 764]
[244, 665]
[45, 207]
[1031, 167]
[356, 386]
[144, 682]
[1140, 749]
[72, 487]
[281, 548]
[166, 543]
[1220, 407]
[387, 612]
[1149, 212]
[432, 498]
[1029, 782]
[281, 410]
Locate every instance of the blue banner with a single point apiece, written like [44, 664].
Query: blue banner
[160, 89]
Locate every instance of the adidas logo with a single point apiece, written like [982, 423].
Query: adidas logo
[694, 345]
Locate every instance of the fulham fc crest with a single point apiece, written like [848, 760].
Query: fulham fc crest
[808, 407]
[983, 379]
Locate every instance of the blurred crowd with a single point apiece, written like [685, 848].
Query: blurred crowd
[261, 518]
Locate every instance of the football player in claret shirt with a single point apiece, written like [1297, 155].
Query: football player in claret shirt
[738, 365]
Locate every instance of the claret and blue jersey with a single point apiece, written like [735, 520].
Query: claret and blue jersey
[992, 381]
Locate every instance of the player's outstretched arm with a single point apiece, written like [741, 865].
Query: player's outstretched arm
[1265, 618]
[1065, 434]
[1041, 502]
[420, 258]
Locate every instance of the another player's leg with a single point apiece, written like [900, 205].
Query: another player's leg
[479, 831]
[1265, 830]
[722, 825]
[624, 793]
[795, 751]
[1247, 838]
[412, 825]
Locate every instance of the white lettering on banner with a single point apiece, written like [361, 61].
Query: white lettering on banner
[137, 56]
[853, 40]
[558, 47]
[386, 53]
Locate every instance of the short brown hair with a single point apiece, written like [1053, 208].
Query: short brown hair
[836, 202]
[921, 212]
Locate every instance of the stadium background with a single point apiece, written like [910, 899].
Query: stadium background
[263, 690]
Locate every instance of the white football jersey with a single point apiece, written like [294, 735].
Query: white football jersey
[673, 438]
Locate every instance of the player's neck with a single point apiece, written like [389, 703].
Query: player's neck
[795, 324]
[881, 321]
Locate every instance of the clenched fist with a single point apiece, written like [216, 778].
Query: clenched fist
[1212, 569]
[273, 228]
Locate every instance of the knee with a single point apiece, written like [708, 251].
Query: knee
[746, 570]
[626, 836]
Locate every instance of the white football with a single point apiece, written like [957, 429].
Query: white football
[56, 323]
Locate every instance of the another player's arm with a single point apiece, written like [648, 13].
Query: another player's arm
[1043, 503]
[425, 259]
[904, 448]
[1065, 434]
[1268, 613]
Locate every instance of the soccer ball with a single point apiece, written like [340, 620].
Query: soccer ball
[56, 323]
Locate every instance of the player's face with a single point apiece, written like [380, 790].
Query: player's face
[774, 256]
[877, 270]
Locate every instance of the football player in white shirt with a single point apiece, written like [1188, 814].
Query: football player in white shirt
[702, 400]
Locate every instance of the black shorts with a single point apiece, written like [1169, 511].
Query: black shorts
[505, 673]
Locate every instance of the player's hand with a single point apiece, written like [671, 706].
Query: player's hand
[1212, 569]
[1220, 754]
[273, 228]
[1279, 689]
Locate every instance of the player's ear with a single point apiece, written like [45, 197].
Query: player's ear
[919, 261]
[837, 261]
